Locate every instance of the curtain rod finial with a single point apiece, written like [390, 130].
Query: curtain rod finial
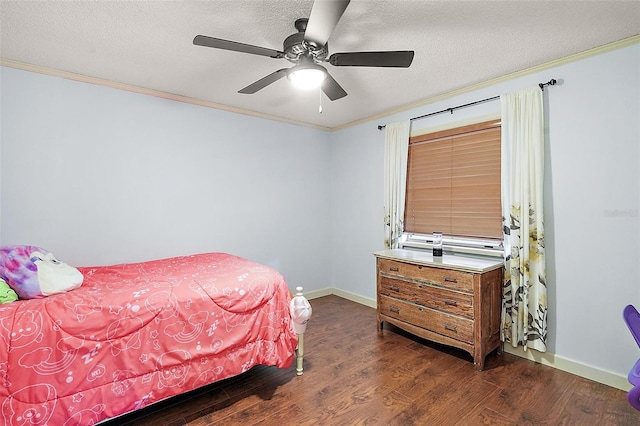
[551, 82]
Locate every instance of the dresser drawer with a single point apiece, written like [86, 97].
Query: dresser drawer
[444, 277]
[439, 322]
[440, 298]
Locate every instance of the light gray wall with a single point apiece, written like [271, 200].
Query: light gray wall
[102, 176]
[592, 188]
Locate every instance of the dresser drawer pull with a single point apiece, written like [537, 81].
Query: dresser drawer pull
[450, 302]
[394, 309]
[394, 269]
[450, 327]
[394, 288]
[450, 280]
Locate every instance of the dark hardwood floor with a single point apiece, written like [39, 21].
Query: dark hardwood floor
[354, 376]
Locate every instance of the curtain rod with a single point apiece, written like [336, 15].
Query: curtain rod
[551, 82]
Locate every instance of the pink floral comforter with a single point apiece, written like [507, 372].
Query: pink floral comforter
[137, 333]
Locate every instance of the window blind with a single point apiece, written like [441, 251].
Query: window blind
[453, 182]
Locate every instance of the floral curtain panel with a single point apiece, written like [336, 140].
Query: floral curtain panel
[396, 150]
[524, 310]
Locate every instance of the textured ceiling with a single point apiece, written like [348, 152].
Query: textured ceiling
[457, 44]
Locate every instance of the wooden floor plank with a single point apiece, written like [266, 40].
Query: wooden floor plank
[484, 416]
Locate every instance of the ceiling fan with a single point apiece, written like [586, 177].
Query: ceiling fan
[308, 48]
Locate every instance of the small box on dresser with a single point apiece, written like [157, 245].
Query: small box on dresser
[453, 300]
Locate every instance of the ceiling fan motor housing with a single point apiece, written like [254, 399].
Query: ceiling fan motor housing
[295, 46]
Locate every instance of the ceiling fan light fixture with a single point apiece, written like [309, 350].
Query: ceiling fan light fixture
[307, 76]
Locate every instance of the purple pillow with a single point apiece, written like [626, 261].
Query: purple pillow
[32, 272]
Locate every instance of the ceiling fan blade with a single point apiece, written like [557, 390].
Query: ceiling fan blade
[399, 59]
[332, 89]
[264, 81]
[218, 43]
[324, 17]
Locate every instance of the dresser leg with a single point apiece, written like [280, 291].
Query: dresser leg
[478, 363]
[380, 326]
[478, 358]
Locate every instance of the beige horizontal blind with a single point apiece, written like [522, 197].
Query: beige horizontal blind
[453, 182]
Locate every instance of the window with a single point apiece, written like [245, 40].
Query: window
[453, 187]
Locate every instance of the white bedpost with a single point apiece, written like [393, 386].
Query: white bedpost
[300, 355]
[300, 313]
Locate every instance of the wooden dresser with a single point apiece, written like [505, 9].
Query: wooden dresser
[454, 300]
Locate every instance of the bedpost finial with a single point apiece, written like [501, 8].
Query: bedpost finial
[300, 310]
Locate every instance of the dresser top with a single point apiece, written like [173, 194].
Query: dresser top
[447, 261]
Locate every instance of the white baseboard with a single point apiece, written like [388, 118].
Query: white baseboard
[344, 294]
[552, 360]
[317, 293]
[356, 298]
[571, 366]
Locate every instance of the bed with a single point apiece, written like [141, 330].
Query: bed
[134, 334]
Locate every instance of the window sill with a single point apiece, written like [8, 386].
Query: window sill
[452, 249]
